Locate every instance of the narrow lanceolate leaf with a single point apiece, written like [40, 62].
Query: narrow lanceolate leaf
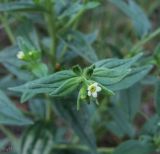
[129, 103]
[9, 114]
[67, 87]
[106, 76]
[137, 74]
[80, 121]
[118, 63]
[20, 6]
[120, 125]
[117, 74]
[136, 14]
[134, 147]
[80, 46]
[44, 85]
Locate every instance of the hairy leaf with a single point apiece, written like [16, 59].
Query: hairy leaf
[134, 147]
[67, 87]
[44, 85]
[9, 114]
[136, 14]
[120, 124]
[79, 45]
[118, 63]
[130, 100]
[137, 74]
[79, 121]
[20, 6]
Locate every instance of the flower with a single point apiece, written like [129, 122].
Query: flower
[93, 89]
[20, 55]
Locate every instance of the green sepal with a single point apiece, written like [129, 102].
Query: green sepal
[77, 70]
[89, 71]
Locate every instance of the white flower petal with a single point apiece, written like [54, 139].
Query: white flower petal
[98, 89]
[89, 93]
[94, 94]
[95, 84]
[20, 55]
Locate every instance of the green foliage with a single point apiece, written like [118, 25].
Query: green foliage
[20, 6]
[134, 147]
[79, 121]
[9, 114]
[136, 14]
[82, 72]
[38, 138]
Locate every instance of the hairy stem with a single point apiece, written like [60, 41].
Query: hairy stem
[51, 22]
[48, 108]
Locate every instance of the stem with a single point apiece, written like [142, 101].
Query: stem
[51, 22]
[82, 148]
[48, 108]
[78, 101]
[145, 40]
[7, 28]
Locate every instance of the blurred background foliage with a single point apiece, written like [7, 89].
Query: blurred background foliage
[114, 28]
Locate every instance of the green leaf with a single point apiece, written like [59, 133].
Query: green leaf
[26, 30]
[137, 74]
[120, 124]
[79, 120]
[12, 64]
[40, 70]
[20, 6]
[151, 127]
[25, 45]
[134, 147]
[91, 37]
[37, 107]
[136, 14]
[44, 85]
[130, 100]
[77, 7]
[91, 5]
[157, 97]
[79, 45]
[118, 63]
[107, 77]
[67, 87]
[9, 114]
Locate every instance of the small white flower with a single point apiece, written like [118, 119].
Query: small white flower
[93, 89]
[20, 55]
